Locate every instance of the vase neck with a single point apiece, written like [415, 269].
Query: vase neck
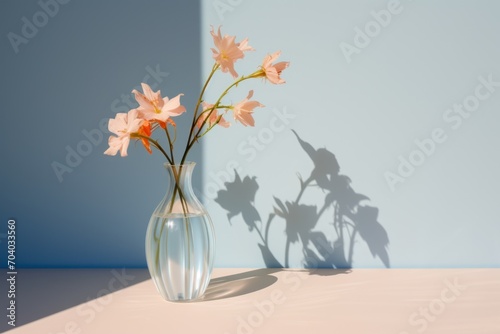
[180, 174]
[180, 198]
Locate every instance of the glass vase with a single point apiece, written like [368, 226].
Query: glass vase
[180, 240]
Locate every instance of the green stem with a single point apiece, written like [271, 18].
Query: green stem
[177, 175]
[192, 140]
[170, 144]
[209, 128]
[155, 144]
[195, 114]
[175, 172]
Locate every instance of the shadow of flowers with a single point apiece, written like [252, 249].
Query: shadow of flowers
[352, 217]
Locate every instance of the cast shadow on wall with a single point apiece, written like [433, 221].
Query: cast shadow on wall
[351, 220]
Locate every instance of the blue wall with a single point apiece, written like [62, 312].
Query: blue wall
[371, 83]
[76, 72]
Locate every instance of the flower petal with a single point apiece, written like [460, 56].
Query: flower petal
[224, 123]
[271, 71]
[243, 46]
[145, 104]
[173, 106]
[245, 118]
[281, 65]
[114, 145]
[123, 150]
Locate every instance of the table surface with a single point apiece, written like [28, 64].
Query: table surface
[386, 301]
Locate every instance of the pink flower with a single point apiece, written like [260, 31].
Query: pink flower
[243, 46]
[273, 71]
[153, 107]
[122, 126]
[243, 111]
[213, 117]
[228, 52]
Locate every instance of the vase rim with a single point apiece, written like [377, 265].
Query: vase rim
[186, 163]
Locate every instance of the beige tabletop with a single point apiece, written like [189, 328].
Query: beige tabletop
[244, 301]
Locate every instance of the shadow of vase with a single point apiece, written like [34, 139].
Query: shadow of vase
[239, 284]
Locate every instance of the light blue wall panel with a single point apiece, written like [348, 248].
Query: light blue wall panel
[395, 104]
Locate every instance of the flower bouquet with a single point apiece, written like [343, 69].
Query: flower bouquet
[180, 236]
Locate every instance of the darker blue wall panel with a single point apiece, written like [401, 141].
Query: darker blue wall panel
[68, 66]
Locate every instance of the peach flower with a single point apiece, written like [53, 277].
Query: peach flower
[273, 71]
[227, 51]
[243, 111]
[153, 107]
[213, 117]
[123, 125]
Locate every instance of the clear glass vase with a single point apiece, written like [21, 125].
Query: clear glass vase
[180, 240]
